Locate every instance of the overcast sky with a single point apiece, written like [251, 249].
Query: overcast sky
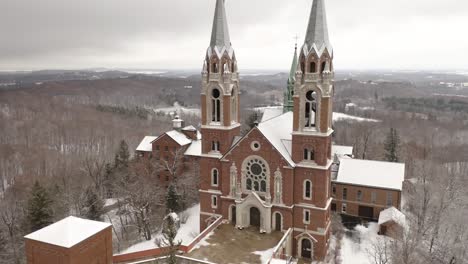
[174, 34]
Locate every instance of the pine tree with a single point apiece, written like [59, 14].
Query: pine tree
[391, 145]
[168, 241]
[94, 206]
[39, 211]
[123, 155]
[172, 200]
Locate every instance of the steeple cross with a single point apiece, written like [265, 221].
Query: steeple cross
[296, 38]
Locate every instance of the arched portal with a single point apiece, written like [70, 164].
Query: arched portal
[233, 215]
[254, 216]
[306, 248]
[278, 221]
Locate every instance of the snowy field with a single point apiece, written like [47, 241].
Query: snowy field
[179, 109]
[355, 248]
[186, 233]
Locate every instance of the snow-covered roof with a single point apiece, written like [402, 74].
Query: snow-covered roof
[387, 175]
[189, 128]
[179, 137]
[342, 150]
[278, 131]
[195, 149]
[270, 113]
[145, 144]
[392, 214]
[68, 232]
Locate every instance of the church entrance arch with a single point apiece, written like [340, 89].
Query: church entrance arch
[306, 248]
[278, 221]
[254, 216]
[233, 215]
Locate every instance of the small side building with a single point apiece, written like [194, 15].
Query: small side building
[364, 188]
[392, 222]
[70, 241]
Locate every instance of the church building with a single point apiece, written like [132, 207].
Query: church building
[277, 176]
[284, 174]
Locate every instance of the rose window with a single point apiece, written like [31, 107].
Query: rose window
[256, 176]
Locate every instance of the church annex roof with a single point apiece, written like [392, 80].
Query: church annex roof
[379, 174]
[317, 30]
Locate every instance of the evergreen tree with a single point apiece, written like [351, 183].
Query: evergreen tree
[172, 200]
[39, 211]
[391, 145]
[168, 241]
[94, 206]
[123, 155]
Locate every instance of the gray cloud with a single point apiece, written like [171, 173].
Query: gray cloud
[175, 33]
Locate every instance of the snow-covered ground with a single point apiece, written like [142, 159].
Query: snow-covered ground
[341, 116]
[179, 109]
[355, 249]
[265, 255]
[186, 233]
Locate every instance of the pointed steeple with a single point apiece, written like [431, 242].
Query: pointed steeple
[317, 30]
[289, 93]
[292, 72]
[220, 32]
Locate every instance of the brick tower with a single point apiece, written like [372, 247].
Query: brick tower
[220, 89]
[220, 113]
[312, 122]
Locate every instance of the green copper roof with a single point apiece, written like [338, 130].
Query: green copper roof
[292, 72]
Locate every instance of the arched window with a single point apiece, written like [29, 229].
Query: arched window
[214, 177]
[233, 106]
[313, 67]
[307, 189]
[310, 109]
[309, 154]
[215, 67]
[215, 145]
[323, 67]
[215, 105]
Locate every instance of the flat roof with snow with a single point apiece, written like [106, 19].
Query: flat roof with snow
[342, 150]
[386, 175]
[68, 232]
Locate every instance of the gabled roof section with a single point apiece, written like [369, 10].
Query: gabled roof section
[145, 145]
[278, 131]
[178, 137]
[317, 30]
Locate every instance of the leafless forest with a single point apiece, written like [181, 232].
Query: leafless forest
[67, 135]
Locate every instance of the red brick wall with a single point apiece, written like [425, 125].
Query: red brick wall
[96, 249]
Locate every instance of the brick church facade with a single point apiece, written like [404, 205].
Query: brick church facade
[278, 175]
[285, 173]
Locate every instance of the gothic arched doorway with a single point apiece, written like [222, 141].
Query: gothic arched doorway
[254, 216]
[233, 215]
[306, 248]
[278, 221]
